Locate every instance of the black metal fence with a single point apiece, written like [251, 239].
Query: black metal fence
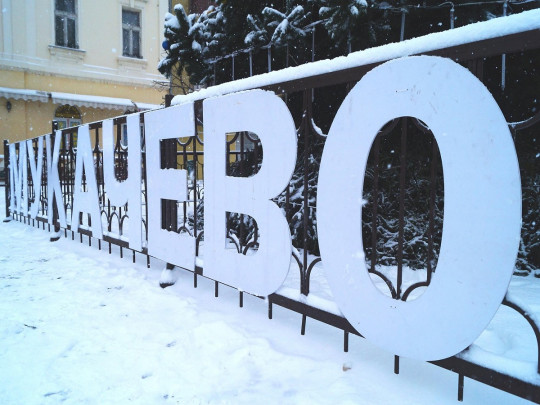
[404, 193]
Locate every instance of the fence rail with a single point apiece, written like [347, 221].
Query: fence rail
[404, 193]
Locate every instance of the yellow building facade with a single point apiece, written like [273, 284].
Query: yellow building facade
[77, 61]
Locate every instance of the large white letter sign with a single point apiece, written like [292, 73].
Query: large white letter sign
[482, 206]
[53, 180]
[128, 191]
[13, 179]
[86, 202]
[167, 184]
[22, 184]
[18, 179]
[35, 170]
[266, 115]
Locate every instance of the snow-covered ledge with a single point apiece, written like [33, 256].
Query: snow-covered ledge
[24, 94]
[133, 3]
[132, 63]
[64, 54]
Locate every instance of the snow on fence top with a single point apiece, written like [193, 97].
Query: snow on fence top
[497, 27]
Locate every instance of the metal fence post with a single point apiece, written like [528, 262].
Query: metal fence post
[7, 186]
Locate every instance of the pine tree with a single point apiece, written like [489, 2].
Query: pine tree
[286, 27]
[208, 32]
[183, 47]
[258, 35]
[342, 19]
[289, 36]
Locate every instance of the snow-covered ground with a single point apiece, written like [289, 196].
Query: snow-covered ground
[80, 326]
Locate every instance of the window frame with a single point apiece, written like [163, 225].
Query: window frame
[66, 119]
[249, 145]
[131, 28]
[65, 16]
[123, 135]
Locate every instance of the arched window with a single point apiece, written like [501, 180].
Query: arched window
[67, 116]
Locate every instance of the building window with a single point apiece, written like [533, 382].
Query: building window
[124, 134]
[65, 23]
[247, 139]
[131, 33]
[68, 116]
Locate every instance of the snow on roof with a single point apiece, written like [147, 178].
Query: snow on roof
[84, 100]
[80, 100]
[23, 94]
[494, 28]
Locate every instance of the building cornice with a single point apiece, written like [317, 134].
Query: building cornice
[81, 71]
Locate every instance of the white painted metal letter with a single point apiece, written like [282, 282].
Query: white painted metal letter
[53, 180]
[35, 169]
[86, 201]
[129, 190]
[482, 206]
[266, 115]
[167, 184]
